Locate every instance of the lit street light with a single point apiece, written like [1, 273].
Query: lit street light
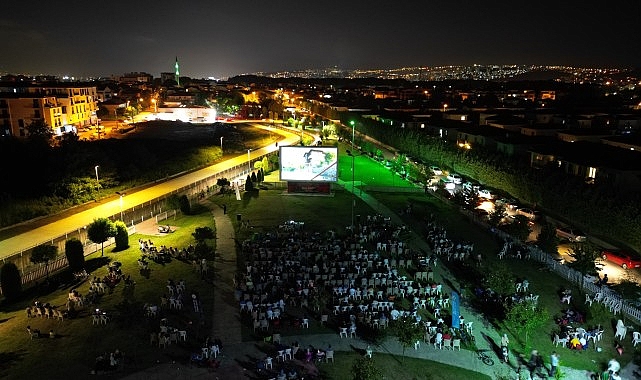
[121, 195]
[221, 143]
[96, 168]
[353, 132]
[155, 102]
[249, 162]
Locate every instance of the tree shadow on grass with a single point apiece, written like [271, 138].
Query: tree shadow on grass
[8, 359]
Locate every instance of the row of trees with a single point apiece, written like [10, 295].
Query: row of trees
[599, 208]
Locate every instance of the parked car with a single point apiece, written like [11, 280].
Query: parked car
[625, 259]
[529, 213]
[436, 170]
[456, 178]
[571, 234]
[509, 204]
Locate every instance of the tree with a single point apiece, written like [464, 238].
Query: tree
[122, 236]
[43, 254]
[519, 228]
[585, 257]
[525, 318]
[100, 231]
[547, 239]
[497, 215]
[173, 202]
[203, 233]
[249, 185]
[407, 331]
[39, 131]
[500, 279]
[202, 250]
[10, 281]
[224, 184]
[75, 253]
[364, 369]
[185, 207]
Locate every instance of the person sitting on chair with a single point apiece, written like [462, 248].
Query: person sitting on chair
[575, 344]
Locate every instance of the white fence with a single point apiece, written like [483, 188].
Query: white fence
[578, 279]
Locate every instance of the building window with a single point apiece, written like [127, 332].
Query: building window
[591, 172]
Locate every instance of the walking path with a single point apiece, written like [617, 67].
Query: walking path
[237, 355]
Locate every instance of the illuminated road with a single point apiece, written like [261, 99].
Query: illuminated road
[48, 232]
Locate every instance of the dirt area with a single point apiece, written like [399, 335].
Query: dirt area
[176, 130]
[150, 227]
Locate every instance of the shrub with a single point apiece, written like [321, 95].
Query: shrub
[10, 281]
[122, 236]
[75, 255]
[185, 207]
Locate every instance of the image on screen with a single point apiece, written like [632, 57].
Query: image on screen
[308, 163]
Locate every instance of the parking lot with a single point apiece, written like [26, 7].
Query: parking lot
[568, 235]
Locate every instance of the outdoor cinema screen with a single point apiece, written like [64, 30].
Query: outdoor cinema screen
[308, 163]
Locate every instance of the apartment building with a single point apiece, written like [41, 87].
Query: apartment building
[60, 107]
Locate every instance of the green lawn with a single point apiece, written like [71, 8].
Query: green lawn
[79, 342]
[546, 284]
[367, 170]
[397, 367]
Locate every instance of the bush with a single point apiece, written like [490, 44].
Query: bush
[122, 236]
[10, 281]
[185, 207]
[75, 255]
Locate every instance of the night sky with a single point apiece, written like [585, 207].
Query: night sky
[216, 38]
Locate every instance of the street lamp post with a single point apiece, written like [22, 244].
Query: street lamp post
[96, 169]
[121, 195]
[351, 154]
[155, 102]
[221, 143]
[249, 162]
[353, 134]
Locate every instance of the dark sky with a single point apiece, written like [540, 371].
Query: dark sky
[224, 38]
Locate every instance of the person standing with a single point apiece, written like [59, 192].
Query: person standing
[554, 363]
[505, 341]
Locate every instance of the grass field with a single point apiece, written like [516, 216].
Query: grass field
[79, 342]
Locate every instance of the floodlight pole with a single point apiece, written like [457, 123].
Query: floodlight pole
[352, 154]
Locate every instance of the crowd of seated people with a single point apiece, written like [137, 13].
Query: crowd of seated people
[366, 273]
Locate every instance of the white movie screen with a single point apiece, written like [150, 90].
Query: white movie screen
[308, 163]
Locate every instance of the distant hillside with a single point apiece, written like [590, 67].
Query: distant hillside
[542, 75]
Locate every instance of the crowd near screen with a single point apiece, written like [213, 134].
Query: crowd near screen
[303, 163]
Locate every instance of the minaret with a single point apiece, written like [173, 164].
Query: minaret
[177, 72]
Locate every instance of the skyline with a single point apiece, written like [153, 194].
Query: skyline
[227, 39]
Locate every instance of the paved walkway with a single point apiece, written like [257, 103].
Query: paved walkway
[238, 355]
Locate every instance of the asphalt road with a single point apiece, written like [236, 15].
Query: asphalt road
[48, 232]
